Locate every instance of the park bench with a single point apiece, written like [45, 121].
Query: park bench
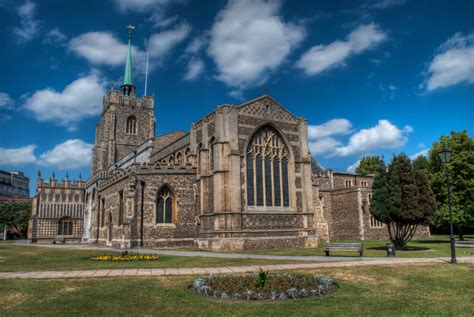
[354, 247]
[465, 244]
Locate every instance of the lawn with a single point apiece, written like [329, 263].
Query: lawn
[14, 258]
[428, 290]
[435, 246]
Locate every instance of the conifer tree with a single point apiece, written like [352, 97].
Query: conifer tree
[370, 165]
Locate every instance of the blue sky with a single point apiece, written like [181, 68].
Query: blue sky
[371, 77]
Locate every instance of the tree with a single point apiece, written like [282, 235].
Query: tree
[402, 202]
[370, 165]
[15, 215]
[421, 163]
[461, 174]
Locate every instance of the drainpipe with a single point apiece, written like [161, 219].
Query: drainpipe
[141, 212]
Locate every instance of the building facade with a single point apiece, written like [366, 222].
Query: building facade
[14, 185]
[241, 178]
[57, 210]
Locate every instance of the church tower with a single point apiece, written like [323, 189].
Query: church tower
[127, 121]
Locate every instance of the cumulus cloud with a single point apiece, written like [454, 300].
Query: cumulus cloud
[55, 37]
[157, 8]
[323, 57]
[453, 64]
[249, 39]
[421, 153]
[104, 48]
[17, 156]
[194, 69]
[331, 127]
[352, 168]
[6, 102]
[70, 154]
[320, 136]
[29, 26]
[384, 135]
[81, 98]
[160, 44]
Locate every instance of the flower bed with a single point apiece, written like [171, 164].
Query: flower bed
[263, 286]
[128, 257]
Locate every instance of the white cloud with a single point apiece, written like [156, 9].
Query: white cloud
[384, 135]
[18, 156]
[6, 101]
[331, 127]
[157, 9]
[323, 145]
[323, 57]
[352, 168]
[384, 4]
[195, 46]
[194, 69]
[422, 153]
[249, 39]
[82, 98]
[453, 64]
[102, 48]
[29, 26]
[55, 37]
[70, 154]
[159, 44]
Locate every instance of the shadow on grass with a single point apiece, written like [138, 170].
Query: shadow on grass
[408, 248]
[430, 241]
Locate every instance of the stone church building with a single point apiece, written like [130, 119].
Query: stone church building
[241, 178]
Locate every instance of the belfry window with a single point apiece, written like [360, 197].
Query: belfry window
[164, 206]
[267, 170]
[65, 226]
[131, 127]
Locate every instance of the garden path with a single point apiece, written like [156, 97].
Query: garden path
[219, 270]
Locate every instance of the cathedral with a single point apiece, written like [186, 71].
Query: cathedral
[241, 178]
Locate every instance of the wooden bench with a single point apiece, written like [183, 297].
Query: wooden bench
[464, 244]
[354, 247]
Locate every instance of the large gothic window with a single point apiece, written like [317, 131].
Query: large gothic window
[267, 170]
[65, 226]
[164, 206]
[131, 125]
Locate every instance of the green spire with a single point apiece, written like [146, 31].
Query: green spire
[127, 78]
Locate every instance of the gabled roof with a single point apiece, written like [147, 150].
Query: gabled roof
[271, 101]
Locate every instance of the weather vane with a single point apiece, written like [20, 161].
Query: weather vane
[130, 28]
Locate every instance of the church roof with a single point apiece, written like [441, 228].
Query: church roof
[316, 167]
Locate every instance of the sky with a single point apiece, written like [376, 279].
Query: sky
[371, 77]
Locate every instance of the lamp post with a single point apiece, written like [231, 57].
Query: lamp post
[445, 157]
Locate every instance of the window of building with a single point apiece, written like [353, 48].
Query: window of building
[374, 223]
[363, 183]
[65, 226]
[267, 170]
[131, 127]
[348, 183]
[164, 206]
[120, 220]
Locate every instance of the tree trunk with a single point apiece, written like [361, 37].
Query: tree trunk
[460, 233]
[401, 234]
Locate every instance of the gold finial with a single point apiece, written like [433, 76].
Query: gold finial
[130, 28]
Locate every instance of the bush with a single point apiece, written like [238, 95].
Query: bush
[262, 286]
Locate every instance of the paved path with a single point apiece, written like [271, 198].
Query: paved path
[217, 270]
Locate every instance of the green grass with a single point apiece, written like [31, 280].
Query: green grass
[430, 290]
[14, 258]
[435, 246]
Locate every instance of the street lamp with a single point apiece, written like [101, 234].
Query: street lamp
[445, 157]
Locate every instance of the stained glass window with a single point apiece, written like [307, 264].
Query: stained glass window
[267, 170]
[164, 206]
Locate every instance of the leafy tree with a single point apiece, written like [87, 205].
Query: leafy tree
[370, 165]
[461, 175]
[402, 202]
[421, 163]
[15, 215]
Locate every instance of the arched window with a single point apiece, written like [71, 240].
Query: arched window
[267, 170]
[131, 125]
[164, 206]
[65, 226]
